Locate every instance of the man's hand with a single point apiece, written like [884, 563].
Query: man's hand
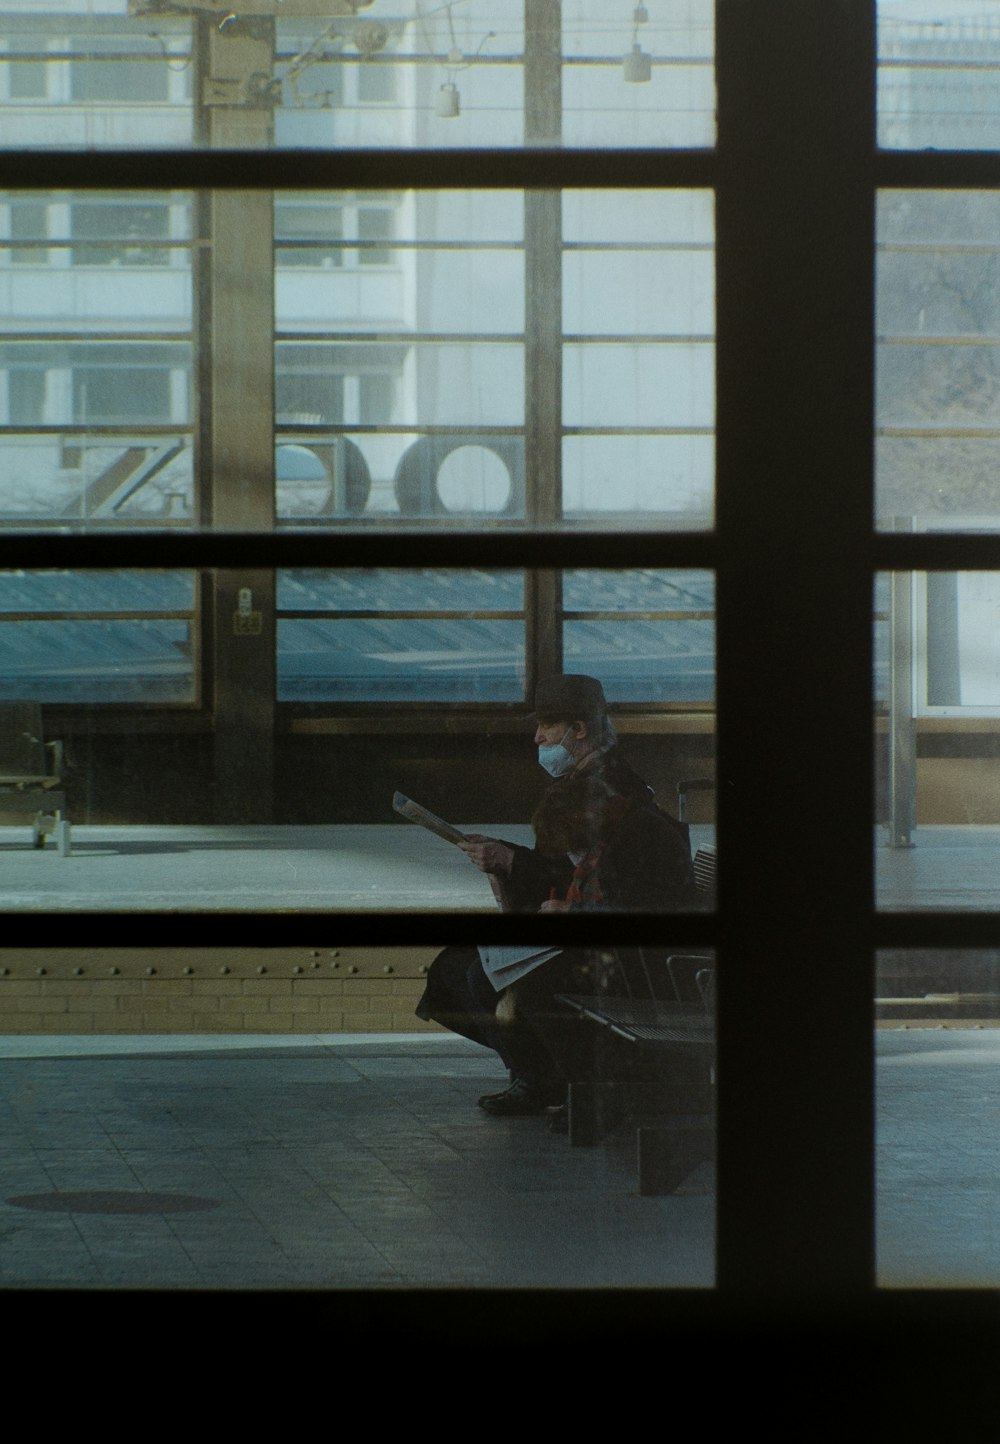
[488, 854]
[555, 905]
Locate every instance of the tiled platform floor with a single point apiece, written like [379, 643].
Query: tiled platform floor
[938, 1158]
[332, 1163]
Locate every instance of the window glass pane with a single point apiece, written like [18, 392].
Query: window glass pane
[28, 221]
[937, 76]
[938, 360]
[96, 365]
[412, 337]
[317, 226]
[349, 661]
[648, 635]
[120, 230]
[98, 637]
[27, 77]
[638, 75]
[459, 636]
[473, 73]
[937, 724]
[439, 345]
[102, 77]
[429, 637]
[640, 266]
[937, 1044]
[405, 680]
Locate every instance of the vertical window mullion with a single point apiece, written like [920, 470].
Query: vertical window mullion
[795, 251]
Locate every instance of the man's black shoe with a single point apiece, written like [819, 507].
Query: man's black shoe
[558, 1118]
[517, 1101]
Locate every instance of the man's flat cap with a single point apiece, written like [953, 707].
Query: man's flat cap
[569, 697]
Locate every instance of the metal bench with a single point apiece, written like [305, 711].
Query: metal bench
[664, 1076]
[663, 1080]
[31, 775]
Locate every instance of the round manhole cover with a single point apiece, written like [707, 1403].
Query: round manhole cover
[111, 1202]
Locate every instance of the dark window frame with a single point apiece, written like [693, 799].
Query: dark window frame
[796, 930]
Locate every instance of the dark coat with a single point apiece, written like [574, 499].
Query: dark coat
[645, 860]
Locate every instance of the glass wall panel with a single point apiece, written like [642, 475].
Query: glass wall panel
[938, 736]
[98, 637]
[649, 636]
[410, 330]
[637, 75]
[937, 76]
[303, 73]
[635, 272]
[938, 360]
[424, 637]
[384, 680]
[460, 636]
[937, 1047]
[421, 361]
[95, 74]
[413, 306]
[96, 362]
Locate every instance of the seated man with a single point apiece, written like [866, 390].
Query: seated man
[601, 842]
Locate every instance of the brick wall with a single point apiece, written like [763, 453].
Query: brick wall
[212, 990]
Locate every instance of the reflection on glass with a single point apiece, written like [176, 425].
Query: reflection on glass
[425, 636]
[460, 636]
[938, 360]
[96, 413]
[196, 700]
[98, 637]
[647, 635]
[421, 361]
[937, 719]
[937, 75]
[472, 73]
[937, 1048]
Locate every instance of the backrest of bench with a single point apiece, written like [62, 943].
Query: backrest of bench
[22, 749]
[704, 868]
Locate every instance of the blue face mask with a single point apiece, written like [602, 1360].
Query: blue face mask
[556, 758]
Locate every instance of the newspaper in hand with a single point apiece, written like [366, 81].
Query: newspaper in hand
[506, 965]
[413, 812]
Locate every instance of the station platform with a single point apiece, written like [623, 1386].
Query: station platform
[314, 1163]
[949, 868]
[938, 1157]
[362, 1162]
[391, 868]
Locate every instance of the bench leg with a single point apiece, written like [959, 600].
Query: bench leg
[63, 841]
[669, 1152]
[594, 1109]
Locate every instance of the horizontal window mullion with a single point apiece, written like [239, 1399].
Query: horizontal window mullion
[315, 614]
[97, 338]
[332, 550]
[935, 552]
[626, 430]
[928, 929]
[86, 430]
[630, 616]
[390, 243]
[936, 169]
[637, 338]
[252, 927]
[89, 616]
[407, 338]
[318, 170]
